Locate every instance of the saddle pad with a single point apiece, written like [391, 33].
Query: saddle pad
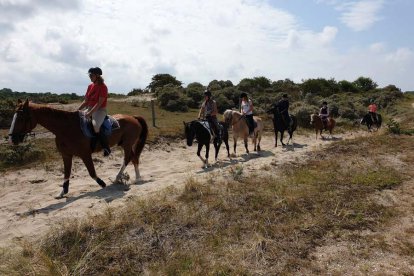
[109, 124]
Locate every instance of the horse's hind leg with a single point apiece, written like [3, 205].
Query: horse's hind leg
[87, 160]
[67, 163]
[127, 158]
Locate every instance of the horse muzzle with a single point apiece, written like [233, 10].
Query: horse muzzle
[16, 139]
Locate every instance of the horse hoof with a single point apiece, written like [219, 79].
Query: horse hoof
[61, 195]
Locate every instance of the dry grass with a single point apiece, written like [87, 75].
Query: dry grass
[245, 225]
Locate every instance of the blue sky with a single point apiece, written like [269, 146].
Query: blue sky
[48, 45]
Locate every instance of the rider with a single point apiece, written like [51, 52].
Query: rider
[324, 114]
[95, 103]
[372, 108]
[283, 106]
[209, 111]
[246, 108]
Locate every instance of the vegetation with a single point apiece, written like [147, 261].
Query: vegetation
[257, 224]
[238, 224]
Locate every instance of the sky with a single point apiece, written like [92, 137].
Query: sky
[49, 45]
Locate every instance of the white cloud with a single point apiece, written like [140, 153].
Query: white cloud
[192, 40]
[361, 15]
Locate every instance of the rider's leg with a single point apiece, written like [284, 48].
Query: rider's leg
[97, 120]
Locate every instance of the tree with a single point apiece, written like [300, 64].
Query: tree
[365, 84]
[160, 80]
[346, 86]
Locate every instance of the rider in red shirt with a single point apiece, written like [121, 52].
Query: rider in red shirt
[372, 108]
[95, 103]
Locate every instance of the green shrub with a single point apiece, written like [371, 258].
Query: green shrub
[20, 155]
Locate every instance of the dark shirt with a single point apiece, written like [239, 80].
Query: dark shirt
[283, 105]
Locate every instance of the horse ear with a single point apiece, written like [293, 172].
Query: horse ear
[184, 123]
[19, 101]
[26, 103]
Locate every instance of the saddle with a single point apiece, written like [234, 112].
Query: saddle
[109, 124]
[207, 126]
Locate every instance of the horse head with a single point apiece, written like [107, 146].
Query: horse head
[22, 122]
[313, 118]
[228, 116]
[189, 133]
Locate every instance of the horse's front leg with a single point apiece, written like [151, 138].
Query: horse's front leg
[282, 133]
[255, 141]
[234, 144]
[200, 146]
[207, 153]
[217, 148]
[67, 163]
[246, 145]
[87, 160]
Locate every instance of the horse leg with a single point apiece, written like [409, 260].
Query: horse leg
[246, 145]
[276, 133]
[127, 158]
[207, 153]
[217, 149]
[67, 163]
[259, 138]
[87, 160]
[255, 141]
[234, 144]
[200, 146]
[282, 133]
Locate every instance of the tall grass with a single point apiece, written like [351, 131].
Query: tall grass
[264, 223]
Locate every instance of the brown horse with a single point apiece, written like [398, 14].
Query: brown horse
[70, 141]
[317, 123]
[240, 129]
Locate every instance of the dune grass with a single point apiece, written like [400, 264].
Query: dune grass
[264, 223]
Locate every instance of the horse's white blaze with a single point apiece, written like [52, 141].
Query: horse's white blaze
[12, 125]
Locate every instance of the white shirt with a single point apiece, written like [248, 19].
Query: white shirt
[245, 107]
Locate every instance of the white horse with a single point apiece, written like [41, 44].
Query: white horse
[240, 128]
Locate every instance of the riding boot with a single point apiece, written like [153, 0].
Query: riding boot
[104, 143]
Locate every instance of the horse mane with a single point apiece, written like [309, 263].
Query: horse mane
[55, 112]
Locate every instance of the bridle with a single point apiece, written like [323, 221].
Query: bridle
[28, 124]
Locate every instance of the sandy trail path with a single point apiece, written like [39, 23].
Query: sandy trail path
[28, 207]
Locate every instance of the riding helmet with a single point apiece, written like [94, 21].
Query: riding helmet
[285, 96]
[242, 95]
[95, 70]
[325, 103]
[207, 93]
[371, 100]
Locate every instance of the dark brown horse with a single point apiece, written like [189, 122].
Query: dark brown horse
[317, 123]
[70, 141]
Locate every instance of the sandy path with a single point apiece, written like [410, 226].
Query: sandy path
[28, 207]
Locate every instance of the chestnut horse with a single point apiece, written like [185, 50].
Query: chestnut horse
[70, 141]
[317, 123]
[240, 129]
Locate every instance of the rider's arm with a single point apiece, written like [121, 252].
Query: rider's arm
[201, 111]
[214, 111]
[250, 106]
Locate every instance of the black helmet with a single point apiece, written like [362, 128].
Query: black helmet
[95, 70]
[207, 93]
[242, 95]
[325, 103]
[285, 96]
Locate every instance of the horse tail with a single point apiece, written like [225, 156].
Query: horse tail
[143, 137]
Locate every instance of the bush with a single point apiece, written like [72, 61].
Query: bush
[303, 114]
[172, 98]
[20, 155]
